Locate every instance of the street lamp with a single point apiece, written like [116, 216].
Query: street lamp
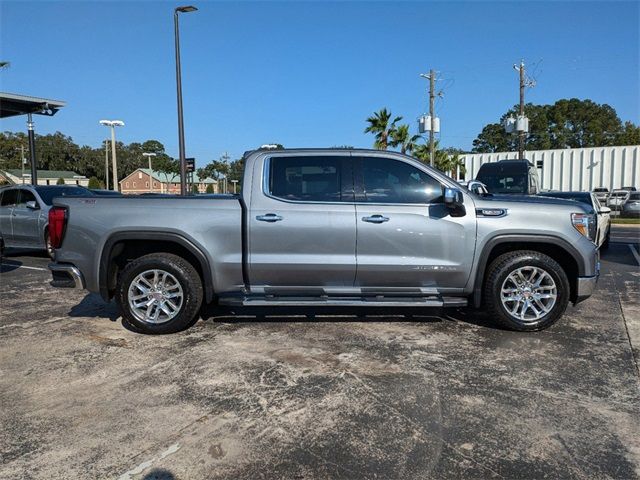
[183, 164]
[113, 124]
[234, 185]
[149, 155]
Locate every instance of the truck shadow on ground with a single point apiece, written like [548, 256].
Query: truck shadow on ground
[9, 265]
[346, 314]
[92, 306]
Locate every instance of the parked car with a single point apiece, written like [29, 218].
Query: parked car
[617, 199]
[631, 207]
[23, 213]
[602, 193]
[328, 227]
[106, 193]
[629, 189]
[515, 177]
[476, 187]
[601, 213]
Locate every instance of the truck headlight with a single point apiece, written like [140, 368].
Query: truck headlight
[585, 224]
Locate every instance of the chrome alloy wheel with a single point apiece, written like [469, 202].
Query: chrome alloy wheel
[528, 294]
[155, 296]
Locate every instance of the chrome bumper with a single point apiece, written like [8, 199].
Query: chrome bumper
[66, 275]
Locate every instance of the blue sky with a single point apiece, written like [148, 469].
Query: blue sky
[309, 73]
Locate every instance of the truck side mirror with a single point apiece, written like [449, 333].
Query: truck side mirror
[453, 198]
[32, 205]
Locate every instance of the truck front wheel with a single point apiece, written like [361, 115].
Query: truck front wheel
[526, 290]
[159, 293]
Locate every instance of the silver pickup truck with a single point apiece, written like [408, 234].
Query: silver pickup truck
[328, 227]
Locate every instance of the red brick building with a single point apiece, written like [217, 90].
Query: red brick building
[144, 180]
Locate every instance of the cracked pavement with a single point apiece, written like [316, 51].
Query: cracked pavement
[317, 394]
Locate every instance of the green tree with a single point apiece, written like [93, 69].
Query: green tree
[382, 128]
[568, 123]
[630, 135]
[400, 137]
[215, 169]
[236, 170]
[94, 183]
[210, 188]
[60, 181]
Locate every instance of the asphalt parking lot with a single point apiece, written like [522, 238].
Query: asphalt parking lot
[431, 394]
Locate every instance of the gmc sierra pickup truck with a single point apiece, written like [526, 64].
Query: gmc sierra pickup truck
[328, 227]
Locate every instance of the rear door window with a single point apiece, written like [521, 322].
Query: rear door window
[310, 178]
[9, 197]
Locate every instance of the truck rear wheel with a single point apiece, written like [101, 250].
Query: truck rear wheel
[526, 290]
[159, 293]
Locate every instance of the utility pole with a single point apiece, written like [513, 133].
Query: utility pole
[522, 133]
[432, 114]
[430, 123]
[521, 124]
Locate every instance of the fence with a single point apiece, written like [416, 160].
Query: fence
[573, 168]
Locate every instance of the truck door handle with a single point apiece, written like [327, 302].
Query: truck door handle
[269, 217]
[375, 219]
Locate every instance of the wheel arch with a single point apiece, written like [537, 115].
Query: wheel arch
[555, 247]
[121, 244]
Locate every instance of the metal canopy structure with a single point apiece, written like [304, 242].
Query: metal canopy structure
[12, 105]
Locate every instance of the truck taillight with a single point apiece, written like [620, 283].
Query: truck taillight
[57, 225]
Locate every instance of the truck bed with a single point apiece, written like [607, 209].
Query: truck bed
[211, 223]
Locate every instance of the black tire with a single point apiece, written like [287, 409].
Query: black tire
[508, 263]
[185, 274]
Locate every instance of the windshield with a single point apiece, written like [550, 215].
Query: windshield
[47, 194]
[619, 194]
[634, 196]
[498, 182]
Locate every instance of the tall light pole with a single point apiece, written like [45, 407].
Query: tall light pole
[106, 164]
[149, 155]
[114, 166]
[183, 164]
[235, 182]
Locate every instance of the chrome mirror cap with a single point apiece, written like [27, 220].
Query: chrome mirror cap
[452, 197]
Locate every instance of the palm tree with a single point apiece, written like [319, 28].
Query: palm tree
[379, 125]
[447, 160]
[401, 137]
[421, 152]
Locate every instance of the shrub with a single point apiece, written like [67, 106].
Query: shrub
[94, 183]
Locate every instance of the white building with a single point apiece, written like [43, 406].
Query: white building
[45, 177]
[573, 168]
